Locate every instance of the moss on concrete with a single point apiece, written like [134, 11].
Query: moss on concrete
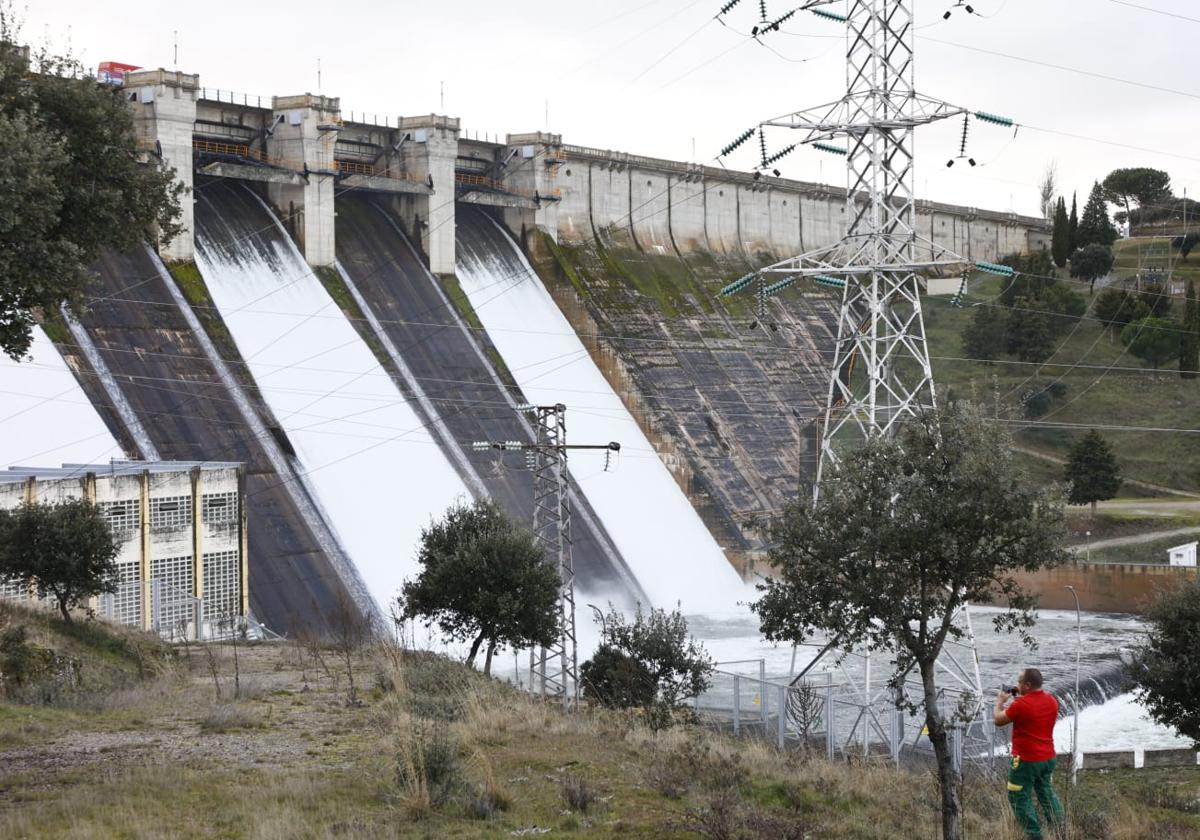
[340, 292]
[462, 305]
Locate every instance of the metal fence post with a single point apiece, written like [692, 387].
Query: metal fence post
[762, 693]
[781, 712]
[737, 704]
[830, 743]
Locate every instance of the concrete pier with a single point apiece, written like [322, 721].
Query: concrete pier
[303, 140]
[428, 154]
[164, 112]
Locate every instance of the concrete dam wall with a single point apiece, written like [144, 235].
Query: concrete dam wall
[367, 216]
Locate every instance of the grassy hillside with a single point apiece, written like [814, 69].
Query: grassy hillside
[268, 741]
[1104, 385]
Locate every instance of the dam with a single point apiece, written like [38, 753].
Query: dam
[354, 300]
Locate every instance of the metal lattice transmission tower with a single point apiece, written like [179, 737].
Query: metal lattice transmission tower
[881, 374]
[554, 670]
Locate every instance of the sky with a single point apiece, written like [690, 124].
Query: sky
[664, 78]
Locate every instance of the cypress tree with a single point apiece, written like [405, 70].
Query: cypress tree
[1096, 226]
[1061, 234]
[1073, 225]
[1092, 471]
[1189, 345]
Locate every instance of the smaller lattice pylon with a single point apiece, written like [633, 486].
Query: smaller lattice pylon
[554, 670]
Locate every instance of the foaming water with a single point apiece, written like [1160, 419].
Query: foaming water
[367, 458]
[655, 527]
[48, 419]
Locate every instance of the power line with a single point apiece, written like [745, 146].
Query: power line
[1154, 11]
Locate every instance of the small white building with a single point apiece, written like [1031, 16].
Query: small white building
[182, 566]
[1183, 555]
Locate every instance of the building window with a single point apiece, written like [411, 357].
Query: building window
[222, 593]
[125, 517]
[219, 508]
[170, 513]
[172, 591]
[127, 600]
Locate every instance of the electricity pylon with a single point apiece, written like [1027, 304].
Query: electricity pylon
[554, 671]
[881, 374]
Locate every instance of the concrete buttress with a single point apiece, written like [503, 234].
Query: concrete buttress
[304, 141]
[164, 111]
[429, 153]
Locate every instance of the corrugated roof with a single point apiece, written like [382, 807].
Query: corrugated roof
[19, 474]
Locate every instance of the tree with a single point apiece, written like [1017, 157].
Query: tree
[1073, 224]
[1091, 263]
[1189, 343]
[1095, 225]
[1165, 668]
[1091, 471]
[66, 550]
[1117, 307]
[1156, 299]
[483, 579]
[984, 335]
[1047, 189]
[1151, 339]
[1031, 331]
[650, 662]
[1060, 237]
[1185, 244]
[905, 532]
[74, 183]
[1140, 185]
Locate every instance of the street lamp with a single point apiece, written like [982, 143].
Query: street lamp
[1089, 553]
[1078, 651]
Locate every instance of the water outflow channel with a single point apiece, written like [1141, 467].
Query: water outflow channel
[1110, 718]
[47, 418]
[658, 532]
[369, 461]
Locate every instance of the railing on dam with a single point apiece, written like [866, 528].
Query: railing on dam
[463, 179]
[249, 100]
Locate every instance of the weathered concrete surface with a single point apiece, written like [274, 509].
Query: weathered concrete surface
[305, 138]
[458, 379]
[1187, 757]
[730, 408]
[1105, 587]
[258, 174]
[189, 414]
[1108, 760]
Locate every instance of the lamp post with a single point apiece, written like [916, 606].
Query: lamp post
[1075, 720]
[1089, 554]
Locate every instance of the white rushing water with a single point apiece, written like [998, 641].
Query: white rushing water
[368, 458]
[45, 417]
[655, 527]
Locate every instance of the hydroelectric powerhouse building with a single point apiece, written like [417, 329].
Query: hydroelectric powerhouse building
[182, 566]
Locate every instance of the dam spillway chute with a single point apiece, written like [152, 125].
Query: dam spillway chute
[658, 532]
[369, 459]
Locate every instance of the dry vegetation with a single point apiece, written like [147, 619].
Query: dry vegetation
[429, 749]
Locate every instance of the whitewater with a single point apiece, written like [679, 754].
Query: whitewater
[370, 462]
[658, 532]
[46, 419]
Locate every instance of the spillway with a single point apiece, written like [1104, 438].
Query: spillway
[657, 530]
[458, 390]
[47, 419]
[369, 460]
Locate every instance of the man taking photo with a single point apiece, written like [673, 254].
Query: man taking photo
[1032, 715]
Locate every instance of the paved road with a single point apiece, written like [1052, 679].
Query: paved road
[1138, 539]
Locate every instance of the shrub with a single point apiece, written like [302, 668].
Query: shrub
[427, 766]
[579, 794]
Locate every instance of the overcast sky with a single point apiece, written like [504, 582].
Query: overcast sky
[654, 77]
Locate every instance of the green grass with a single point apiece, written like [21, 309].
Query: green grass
[1137, 255]
[337, 289]
[1114, 389]
[1151, 553]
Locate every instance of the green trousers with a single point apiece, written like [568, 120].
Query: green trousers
[1033, 777]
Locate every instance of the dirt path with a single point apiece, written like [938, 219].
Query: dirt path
[1137, 539]
[1158, 488]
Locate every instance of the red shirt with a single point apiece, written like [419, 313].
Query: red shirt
[1033, 716]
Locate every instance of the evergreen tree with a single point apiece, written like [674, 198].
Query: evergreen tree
[1152, 339]
[1189, 344]
[1091, 263]
[1061, 234]
[983, 336]
[1031, 330]
[1092, 471]
[1164, 670]
[1073, 225]
[1096, 226]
